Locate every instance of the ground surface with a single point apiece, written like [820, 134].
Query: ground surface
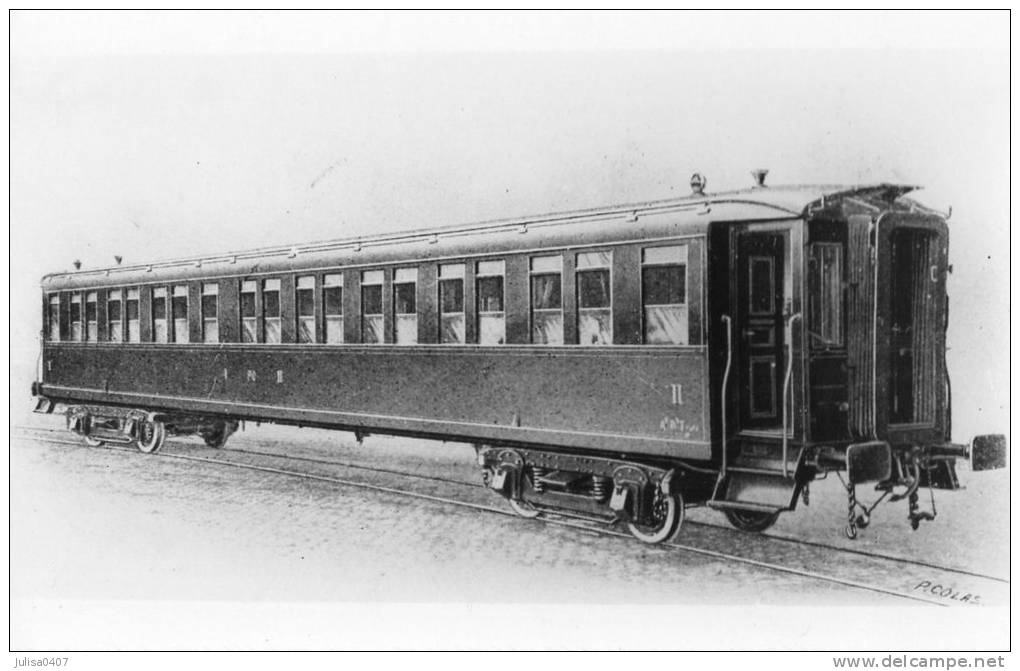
[96, 524]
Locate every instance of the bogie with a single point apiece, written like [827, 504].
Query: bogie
[644, 498]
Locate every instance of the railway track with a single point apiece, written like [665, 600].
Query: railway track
[814, 559]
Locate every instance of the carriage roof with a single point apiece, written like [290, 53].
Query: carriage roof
[686, 216]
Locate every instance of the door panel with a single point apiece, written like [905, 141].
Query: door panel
[759, 326]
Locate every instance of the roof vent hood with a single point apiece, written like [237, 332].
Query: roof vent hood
[698, 184]
[759, 176]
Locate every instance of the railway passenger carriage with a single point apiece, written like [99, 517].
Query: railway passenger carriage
[620, 363]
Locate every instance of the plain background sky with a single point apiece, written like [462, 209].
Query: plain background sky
[155, 135]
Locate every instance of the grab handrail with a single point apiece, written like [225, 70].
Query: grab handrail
[786, 384]
[722, 406]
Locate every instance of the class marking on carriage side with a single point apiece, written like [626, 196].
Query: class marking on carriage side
[279, 377]
[678, 393]
[251, 376]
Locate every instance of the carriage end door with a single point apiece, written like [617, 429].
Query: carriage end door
[761, 303]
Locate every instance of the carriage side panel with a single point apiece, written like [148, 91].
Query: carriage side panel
[650, 401]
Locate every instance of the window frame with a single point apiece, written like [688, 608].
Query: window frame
[53, 326]
[534, 274]
[160, 292]
[301, 318]
[395, 285]
[215, 294]
[479, 313]
[91, 325]
[77, 299]
[381, 315]
[263, 316]
[686, 304]
[457, 274]
[127, 313]
[120, 320]
[815, 310]
[174, 334]
[611, 308]
[243, 285]
[329, 283]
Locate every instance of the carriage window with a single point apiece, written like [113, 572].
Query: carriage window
[133, 330]
[91, 323]
[825, 294]
[76, 317]
[405, 306]
[664, 295]
[451, 303]
[489, 292]
[371, 306]
[159, 329]
[210, 323]
[179, 306]
[248, 318]
[271, 311]
[547, 300]
[53, 331]
[594, 299]
[115, 327]
[305, 289]
[333, 307]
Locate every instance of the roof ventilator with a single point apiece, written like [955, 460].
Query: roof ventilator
[698, 184]
[759, 176]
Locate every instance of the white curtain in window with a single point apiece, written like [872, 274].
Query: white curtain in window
[491, 329]
[334, 329]
[666, 324]
[306, 329]
[453, 329]
[211, 330]
[372, 329]
[547, 328]
[272, 330]
[248, 330]
[181, 330]
[595, 327]
[407, 329]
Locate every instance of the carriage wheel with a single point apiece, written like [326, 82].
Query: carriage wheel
[217, 437]
[93, 442]
[667, 517]
[523, 508]
[749, 520]
[151, 434]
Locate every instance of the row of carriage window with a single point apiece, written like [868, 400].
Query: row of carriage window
[664, 299]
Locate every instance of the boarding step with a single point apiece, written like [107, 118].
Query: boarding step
[743, 505]
[777, 471]
[764, 456]
[767, 488]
